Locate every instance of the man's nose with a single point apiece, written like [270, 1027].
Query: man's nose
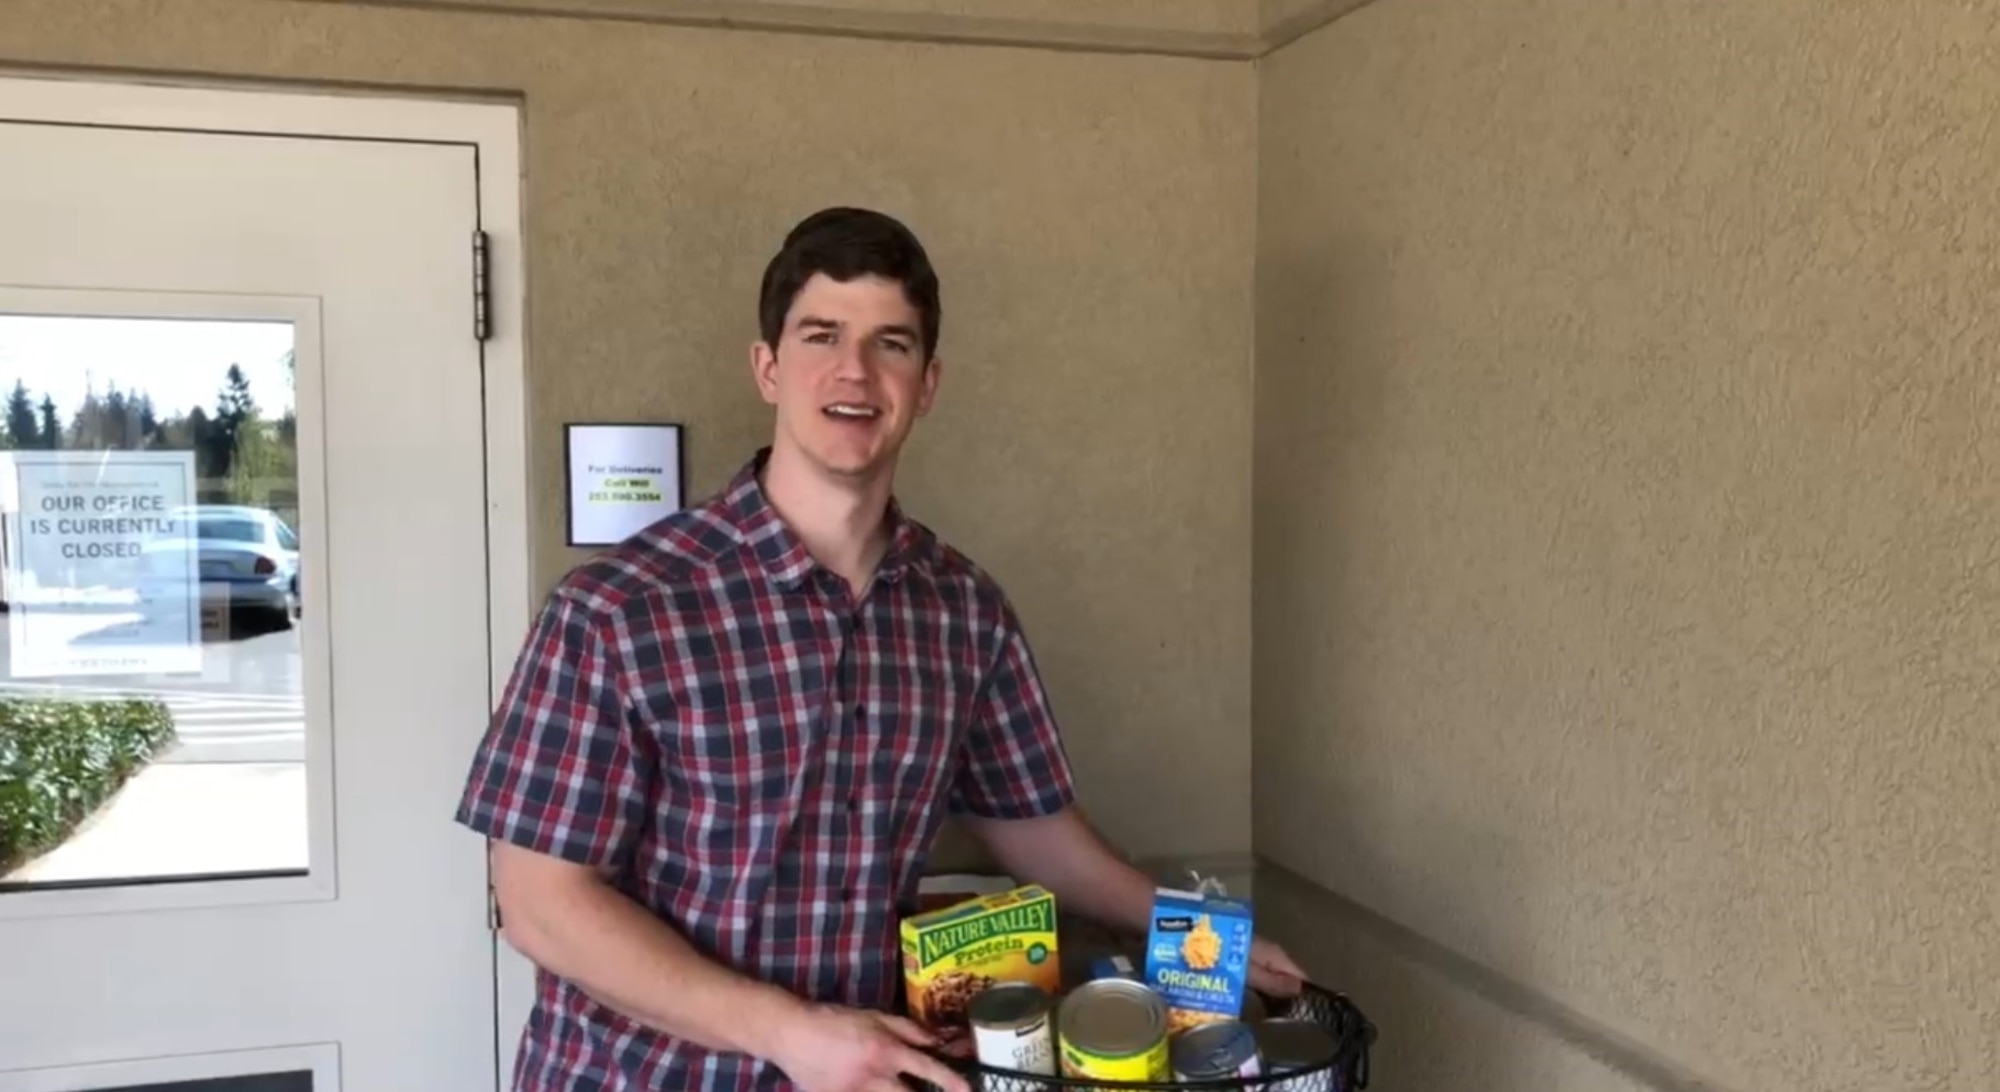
[851, 362]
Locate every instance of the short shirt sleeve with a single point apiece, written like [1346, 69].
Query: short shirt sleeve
[556, 771]
[1015, 766]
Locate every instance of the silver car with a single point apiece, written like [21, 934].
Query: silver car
[247, 559]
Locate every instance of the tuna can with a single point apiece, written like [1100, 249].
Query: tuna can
[1289, 1046]
[1114, 1029]
[1217, 1051]
[1010, 1028]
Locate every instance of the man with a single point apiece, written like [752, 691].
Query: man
[728, 744]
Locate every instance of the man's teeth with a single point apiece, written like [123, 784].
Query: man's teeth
[844, 410]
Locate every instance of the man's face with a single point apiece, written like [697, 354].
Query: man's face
[848, 375]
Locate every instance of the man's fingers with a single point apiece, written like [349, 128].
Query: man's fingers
[1275, 983]
[924, 1067]
[907, 1030]
[1283, 976]
[1280, 970]
[1278, 966]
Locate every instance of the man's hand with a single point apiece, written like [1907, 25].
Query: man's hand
[835, 1049]
[1272, 971]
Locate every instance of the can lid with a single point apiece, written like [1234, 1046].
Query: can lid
[1113, 1016]
[1217, 1047]
[1008, 1003]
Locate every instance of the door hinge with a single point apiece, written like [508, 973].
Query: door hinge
[492, 910]
[482, 326]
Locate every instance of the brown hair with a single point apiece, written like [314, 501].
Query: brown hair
[845, 243]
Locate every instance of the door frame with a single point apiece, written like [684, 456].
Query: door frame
[492, 127]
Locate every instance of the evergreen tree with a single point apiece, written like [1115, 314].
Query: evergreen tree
[288, 425]
[86, 423]
[50, 433]
[233, 408]
[120, 430]
[23, 429]
[211, 457]
[149, 423]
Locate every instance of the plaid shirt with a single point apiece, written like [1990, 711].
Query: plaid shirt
[705, 713]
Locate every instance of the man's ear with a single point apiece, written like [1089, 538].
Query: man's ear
[764, 369]
[928, 393]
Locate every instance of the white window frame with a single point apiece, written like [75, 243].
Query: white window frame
[321, 882]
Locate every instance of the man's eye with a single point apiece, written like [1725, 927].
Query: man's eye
[822, 337]
[897, 346]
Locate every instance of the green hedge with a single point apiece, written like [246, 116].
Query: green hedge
[60, 759]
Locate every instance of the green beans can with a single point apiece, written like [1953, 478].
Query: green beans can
[1011, 1028]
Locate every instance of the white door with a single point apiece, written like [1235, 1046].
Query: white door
[246, 653]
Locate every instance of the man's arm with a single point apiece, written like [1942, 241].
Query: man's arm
[1063, 853]
[564, 918]
[561, 787]
[1015, 793]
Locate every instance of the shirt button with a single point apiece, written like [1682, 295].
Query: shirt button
[854, 802]
[860, 712]
[847, 894]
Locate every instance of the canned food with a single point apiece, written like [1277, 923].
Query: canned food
[1010, 1028]
[1113, 966]
[1114, 1029]
[1289, 1046]
[1215, 1051]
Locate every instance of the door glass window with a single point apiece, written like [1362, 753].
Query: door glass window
[152, 717]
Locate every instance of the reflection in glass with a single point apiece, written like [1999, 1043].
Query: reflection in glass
[151, 711]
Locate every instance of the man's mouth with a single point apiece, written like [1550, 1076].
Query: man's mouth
[852, 411]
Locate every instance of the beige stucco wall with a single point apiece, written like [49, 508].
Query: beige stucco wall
[1627, 615]
[1229, 16]
[1092, 216]
[1275, 14]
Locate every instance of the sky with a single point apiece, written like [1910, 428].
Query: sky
[179, 362]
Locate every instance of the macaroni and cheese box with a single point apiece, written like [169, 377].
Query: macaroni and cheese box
[951, 954]
[1198, 955]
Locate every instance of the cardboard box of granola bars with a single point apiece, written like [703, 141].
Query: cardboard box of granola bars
[952, 953]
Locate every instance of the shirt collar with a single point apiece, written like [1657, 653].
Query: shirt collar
[779, 551]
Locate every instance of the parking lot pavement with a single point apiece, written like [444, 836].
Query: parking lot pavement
[230, 795]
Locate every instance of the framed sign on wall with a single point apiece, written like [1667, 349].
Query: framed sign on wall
[622, 477]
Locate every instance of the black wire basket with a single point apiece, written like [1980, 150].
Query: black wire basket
[1345, 1071]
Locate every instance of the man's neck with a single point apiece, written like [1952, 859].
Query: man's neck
[841, 523]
